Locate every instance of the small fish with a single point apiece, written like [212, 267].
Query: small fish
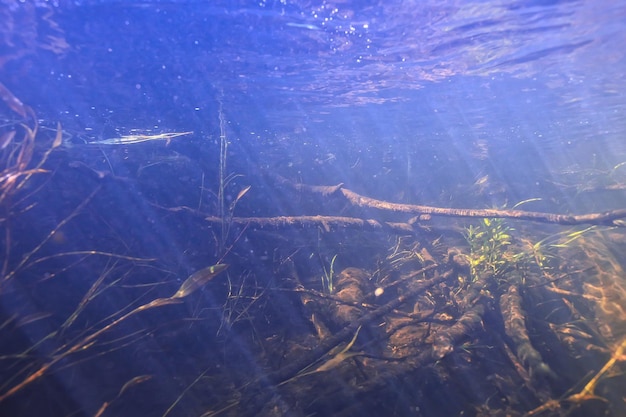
[13, 102]
[132, 139]
[482, 181]
[198, 279]
[6, 139]
[302, 26]
[330, 363]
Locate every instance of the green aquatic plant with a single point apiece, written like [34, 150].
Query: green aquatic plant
[225, 212]
[489, 242]
[493, 251]
[329, 277]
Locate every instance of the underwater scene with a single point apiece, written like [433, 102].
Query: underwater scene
[312, 208]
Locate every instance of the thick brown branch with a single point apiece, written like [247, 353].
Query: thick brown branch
[257, 397]
[328, 223]
[605, 218]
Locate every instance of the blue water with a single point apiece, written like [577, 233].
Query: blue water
[519, 91]
[474, 104]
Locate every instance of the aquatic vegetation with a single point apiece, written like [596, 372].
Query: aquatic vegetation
[493, 251]
[17, 167]
[329, 277]
[489, 243]
[26, 150]
[191, 284]
[225, 212]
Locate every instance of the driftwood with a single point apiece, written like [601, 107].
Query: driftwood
[259, 396]
[330, 223]
[607, 218]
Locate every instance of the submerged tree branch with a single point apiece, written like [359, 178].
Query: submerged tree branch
[605, 218]
[328, 223]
